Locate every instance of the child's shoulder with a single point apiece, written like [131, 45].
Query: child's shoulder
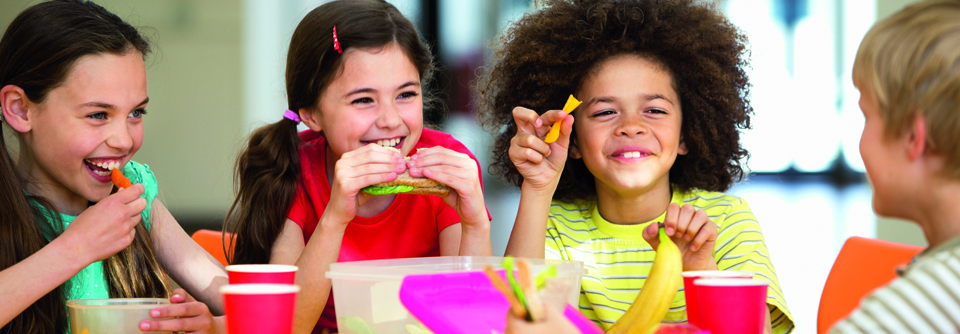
[576, 210]
[703, 199]
[139, 173]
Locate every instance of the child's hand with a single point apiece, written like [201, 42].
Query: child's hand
[459, 172]
[553, 323]
[365, 166]
[539, 163]
[693, 233]
[186, 315]
[107, 227]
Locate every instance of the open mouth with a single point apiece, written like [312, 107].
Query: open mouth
[392, 142]
[102, 167]
[633, 155]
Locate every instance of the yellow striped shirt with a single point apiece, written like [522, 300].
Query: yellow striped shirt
[617, 259]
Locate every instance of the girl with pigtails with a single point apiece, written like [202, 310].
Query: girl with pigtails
[356, 76]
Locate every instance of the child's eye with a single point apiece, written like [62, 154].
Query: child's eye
[656, 111]
[604, 112]
[98, 116]
[407, 95]
[138, 113]
[362, 100]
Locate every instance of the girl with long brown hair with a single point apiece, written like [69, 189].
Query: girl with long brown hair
[73, 89]
[355, 76]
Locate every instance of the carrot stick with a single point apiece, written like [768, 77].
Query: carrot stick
[119, 180]
[534, 305]
[515, 307]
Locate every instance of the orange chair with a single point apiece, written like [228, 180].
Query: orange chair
[212, 242]
[863, 265]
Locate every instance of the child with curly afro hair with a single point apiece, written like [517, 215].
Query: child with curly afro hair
[656, 140]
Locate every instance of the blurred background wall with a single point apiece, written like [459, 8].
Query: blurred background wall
[217, 73]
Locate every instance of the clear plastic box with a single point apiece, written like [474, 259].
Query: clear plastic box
[111, 316]
[366, 293]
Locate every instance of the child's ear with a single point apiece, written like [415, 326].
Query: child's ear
[682, 149]
[14, 103]
[917, 137]
[574, 148]
[311, 118]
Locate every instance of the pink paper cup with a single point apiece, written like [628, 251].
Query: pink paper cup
[732, 306]
[690, 290]
[259, 308]
[261, 273]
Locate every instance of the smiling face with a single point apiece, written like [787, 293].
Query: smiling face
[376, 99]
[628, 128]
[86, 126]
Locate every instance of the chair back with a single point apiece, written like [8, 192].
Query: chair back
[212, 242]
[862, 266]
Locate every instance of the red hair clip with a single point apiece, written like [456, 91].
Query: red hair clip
[336, 43]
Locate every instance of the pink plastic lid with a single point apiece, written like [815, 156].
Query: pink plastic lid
[465, 303]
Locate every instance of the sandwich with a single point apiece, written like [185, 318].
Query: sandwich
[406, 184]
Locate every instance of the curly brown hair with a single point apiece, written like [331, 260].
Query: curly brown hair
[546, 55]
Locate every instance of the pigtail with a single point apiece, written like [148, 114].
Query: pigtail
[267, 173]
[23, 235]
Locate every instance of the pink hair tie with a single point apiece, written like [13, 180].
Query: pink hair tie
[336, 42]
[289, 114]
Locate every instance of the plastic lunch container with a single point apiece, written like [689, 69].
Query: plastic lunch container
[366, 293]
[111, 316]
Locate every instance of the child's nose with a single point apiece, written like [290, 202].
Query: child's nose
[389, 117]
[632, 126]
[120, 138]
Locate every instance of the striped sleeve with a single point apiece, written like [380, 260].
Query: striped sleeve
[740, 246]
[926, 300]
[553, 248]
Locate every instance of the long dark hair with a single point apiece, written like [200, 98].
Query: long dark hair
[37, 51]
[268, 171]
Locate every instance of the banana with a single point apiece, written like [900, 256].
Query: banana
[658, 291]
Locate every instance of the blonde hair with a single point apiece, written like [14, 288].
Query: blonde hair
[911, 62]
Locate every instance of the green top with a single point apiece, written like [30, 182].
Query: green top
[90, 282]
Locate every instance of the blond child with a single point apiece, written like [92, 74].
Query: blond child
[908, 74]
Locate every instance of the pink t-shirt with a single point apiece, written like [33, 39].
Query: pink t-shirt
[409, 227]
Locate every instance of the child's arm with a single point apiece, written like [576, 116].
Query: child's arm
[193, 268]
[461, 173]
[541, 165]
[188, 263]
[313, 261]
[99, 232]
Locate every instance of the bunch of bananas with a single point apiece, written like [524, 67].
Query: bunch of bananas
[657, 294]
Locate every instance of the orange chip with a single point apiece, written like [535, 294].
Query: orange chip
[554, 133]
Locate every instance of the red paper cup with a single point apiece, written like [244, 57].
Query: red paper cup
[259, 308]
[732, 306]
[261, 273]
[690, 290]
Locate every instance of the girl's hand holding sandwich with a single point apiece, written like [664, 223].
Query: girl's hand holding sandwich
[459, 172]
[365, 166]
